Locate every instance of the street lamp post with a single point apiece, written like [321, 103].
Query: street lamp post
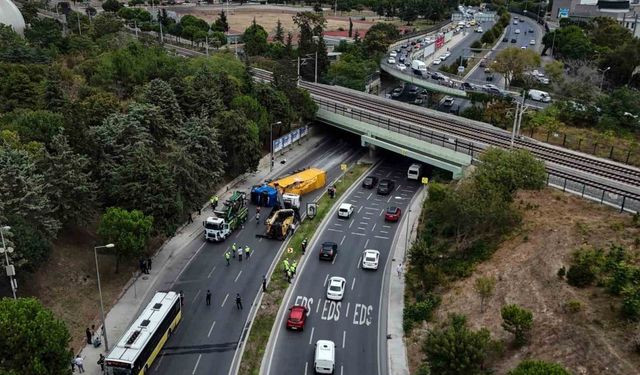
[603, 73]
[271, 144]
[9, 267]
[104, 326]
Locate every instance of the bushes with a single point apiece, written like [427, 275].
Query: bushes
[419, 311]
[533, 367]
[518, 321]
[631, 303]
[584, 270]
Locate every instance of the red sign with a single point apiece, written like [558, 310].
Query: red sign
[439, 41]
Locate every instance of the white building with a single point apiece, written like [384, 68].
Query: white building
[10, 15]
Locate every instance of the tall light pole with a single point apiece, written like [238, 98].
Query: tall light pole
[9, 267]
[104, 326]
[271, 144]
[603, 73]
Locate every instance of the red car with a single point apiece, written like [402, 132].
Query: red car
[392, 214]
[297, 317]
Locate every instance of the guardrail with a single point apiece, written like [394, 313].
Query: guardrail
[623, 200]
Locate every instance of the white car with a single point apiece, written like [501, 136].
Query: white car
[345, 210]
[543, 80]
[523, 47]
[536, 73]
[401, 67]
[335, 289]
[391, 60]
[370, 259]
[517, 31]
[393, 54]
[446, 55]
[532, 42]
[436, 62]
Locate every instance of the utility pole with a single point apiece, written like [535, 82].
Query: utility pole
[79, 29]
[161, 36]
[135, 24]
[298, 69]
[603, 73]
[316, 70]
[104, 326]
[11, 271]
[271, 144]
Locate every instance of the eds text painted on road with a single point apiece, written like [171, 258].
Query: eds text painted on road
[362, 314]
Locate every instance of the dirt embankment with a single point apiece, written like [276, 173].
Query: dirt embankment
[592, 341]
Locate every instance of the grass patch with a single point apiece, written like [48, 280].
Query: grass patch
[266, 316]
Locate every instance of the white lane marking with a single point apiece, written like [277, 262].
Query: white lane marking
[371, 208]
[319, 303]
[196, 297]
[374, 227]
[344, 338]
[325, 280]
[366, 243]
[363, 222]
[384, 231]
[359, 209]
[211, 329]
[359, 261]
[350, 224]
[341, 370]
[225, 300]
[334, 230]
[337, 225]
[389, 174]
[239, 273]
[369, 197]
[306, 364]
[260, 240]
[386, 226]
[348, 305]
[196, 366]
[361, 228]
[381, 212]
[311, 337]
[343, 237]
[382, 237]
[398, 188]
[389, 200]
[334, 259]
[357, 234]
[213, 269]
[353, 283]
[374, 204]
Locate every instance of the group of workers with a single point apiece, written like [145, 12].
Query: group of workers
[290, 269]
[237, 250]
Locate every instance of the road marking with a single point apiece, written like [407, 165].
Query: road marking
[334, 230]
[311, 337]
[398, 188]
[260, 240]
[333, 261]
[239, 273]
[348, 305]
[382, 237]
[350, 224]
[359, 209]
[325, 280]
[353, 201]
[211, 329]
[373, 204]
[361, 228]
[196, 366]
[343, 237]
[319, 303]
[374, 227]
[366, 243]
[341, 370]
[196, 297]
[381, 212]
[389, 174]
[371, 208]
[369, 197]
[389, 200]
[353, 283]
[384, 231]
[386, 226]
[357, 234]
[225, 300]
[306, 364]
[213, 269]
[344, 338]
[359, 261]
[363, 222]
[337, 225]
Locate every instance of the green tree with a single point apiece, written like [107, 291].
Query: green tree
[32, 246]
[351, 71]
[17, 90]
[160, 94]
[111, 6]
[485, 287]
[631, 302]
[39, 126]
[256, 112]
[221, 23]
[243, 153]
[44, 33]
[512, 62]
[457, 350]
[30, 11]
[535, 367]
[129, 231]
[310, 24]
[105, 24]
[379, 37]
[255, 40]
[33, 341]
[517, 320]
[555, 70]
[279, 35]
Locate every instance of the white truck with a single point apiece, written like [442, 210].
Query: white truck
[419, 67]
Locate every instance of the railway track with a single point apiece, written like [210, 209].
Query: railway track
[482, 136]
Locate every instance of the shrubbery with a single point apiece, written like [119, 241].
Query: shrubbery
[533, 367]
[419, 311]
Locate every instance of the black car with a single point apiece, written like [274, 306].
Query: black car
[505, 39]
[413, 90]
[328, 250]
[385, 187]
[370, 182]
[468, 86]
[514, 40]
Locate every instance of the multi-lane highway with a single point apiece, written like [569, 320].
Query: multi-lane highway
[207, 337]
[357, 324]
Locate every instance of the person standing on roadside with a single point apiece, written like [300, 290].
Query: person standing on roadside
[80, 363]
[247, 251]
[264, 283]
[238, 302]
[208, 298]
[227, 256]
[148, 264]
[101, 362]
[89, 336]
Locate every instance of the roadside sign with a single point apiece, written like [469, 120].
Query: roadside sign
[343, 167]
[425, 180]
[461, 69]
[312, 209]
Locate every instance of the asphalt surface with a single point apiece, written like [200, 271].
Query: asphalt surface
[207, 337]
[353, 324]
[463, 48]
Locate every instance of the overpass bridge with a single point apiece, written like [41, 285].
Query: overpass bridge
[453, 143]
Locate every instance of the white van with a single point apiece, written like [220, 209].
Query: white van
[541, 96]
[325, 359]
[414, 172]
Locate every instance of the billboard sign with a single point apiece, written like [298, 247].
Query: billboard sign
[429, 50]
[286, 140]
[277, 145]
[295, 135]
[563, 12]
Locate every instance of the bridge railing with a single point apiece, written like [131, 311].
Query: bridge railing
[604, 194]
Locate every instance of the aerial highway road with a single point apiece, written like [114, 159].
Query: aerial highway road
[357, 323]
[207, 338]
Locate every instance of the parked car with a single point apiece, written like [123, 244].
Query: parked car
[468, 86]
[392, 214]
[328, 250]
[543, 80]
[448, 101]
[391, 60]
[370, 259]
[532, 42]
[385, 187]
[396, 92]
[297, 317]
[335, 289]
[370, 182]
[413, 90]
[393, 54]
[345, 210]
[438, 76]
[505, 39]
[436, 62]
[517, 31]
[401, 67]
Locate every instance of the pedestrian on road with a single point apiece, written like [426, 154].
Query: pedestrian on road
[148, 264]
[199, 211]
[238, 301]
[234, 248]
[73, 361]
[240, 254]
[294, 267]
[264, 283]
[190, 218]
[101, 362]
[399, 270]
[289, 276]
[141, 265]
[80, 363]
[89, 336]
[208, 298]
[247, 251]
[181, 298]
[227, 256]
